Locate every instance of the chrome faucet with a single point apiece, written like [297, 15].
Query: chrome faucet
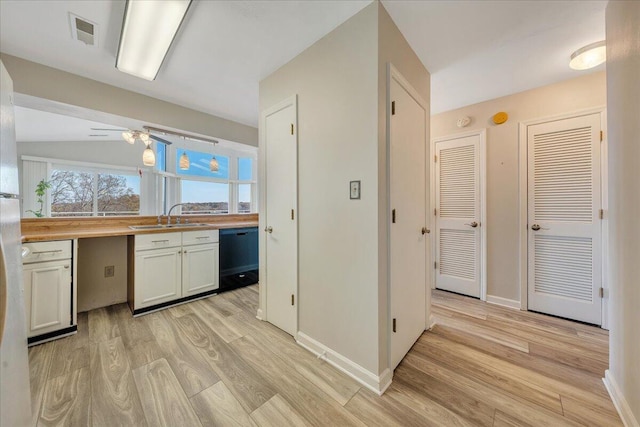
[170, 209]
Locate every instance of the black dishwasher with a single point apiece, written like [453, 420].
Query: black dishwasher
[238, 257]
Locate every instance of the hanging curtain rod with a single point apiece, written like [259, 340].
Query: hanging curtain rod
[180, 134]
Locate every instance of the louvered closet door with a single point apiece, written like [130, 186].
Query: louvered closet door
[564, 241]
[458, 215]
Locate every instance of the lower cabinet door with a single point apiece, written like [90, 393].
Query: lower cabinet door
[157, 277]
[199, 269]
[47, 287]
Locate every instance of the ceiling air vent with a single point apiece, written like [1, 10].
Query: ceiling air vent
[83, 30]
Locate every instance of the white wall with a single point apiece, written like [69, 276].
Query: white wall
[336, 83]
[95, 290]
[503, 279]
[40, 81]
[393, 48]
[623, 103]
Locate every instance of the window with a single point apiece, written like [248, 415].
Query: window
[89, 193]
[199, 165]
[161, 156]
[204, 197]
[245, 185]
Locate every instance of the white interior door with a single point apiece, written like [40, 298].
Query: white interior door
[564, 240]
[458, 214]
[281, 219]
[408, 220]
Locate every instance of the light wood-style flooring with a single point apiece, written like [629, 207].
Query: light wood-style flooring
[212, 363]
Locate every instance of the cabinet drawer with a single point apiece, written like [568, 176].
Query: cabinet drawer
[158, 240]
[199, 237]
[47, 251]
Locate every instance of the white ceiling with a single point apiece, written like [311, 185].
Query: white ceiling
[480, 50]
[475, 50]
[37, 126]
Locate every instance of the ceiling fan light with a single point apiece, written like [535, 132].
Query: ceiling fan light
[144, 137]
[147, 34]
[148, 157]
[589, 56]
[184, 161]
[128, 136]
[213, 165]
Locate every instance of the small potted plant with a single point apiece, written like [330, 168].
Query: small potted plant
[41, 190]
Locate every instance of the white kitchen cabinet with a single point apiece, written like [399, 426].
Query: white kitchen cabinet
[157, 276]
[199, 273]
[47, 279]
[172, 266]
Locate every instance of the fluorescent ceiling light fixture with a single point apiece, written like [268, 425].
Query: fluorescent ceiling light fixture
[149, 28]
[589, 56]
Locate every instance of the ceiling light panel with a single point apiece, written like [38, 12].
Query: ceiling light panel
[147, 33]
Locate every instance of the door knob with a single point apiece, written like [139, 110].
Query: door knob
[535, 227]
[472, 224]
[269, 229]
[425, 230]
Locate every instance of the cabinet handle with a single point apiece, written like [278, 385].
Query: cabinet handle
[159, 241]
[47, 252]
[203, 237]
[66, 266]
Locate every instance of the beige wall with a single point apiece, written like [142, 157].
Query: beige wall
[394, 49]
[336, 83]
[341, 86]
[40, 81]
[583, 92]
[95, 290]
[623, 103]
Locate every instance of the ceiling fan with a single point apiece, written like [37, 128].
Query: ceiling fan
[148, 131]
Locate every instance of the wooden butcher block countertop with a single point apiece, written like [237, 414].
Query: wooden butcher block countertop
[43, 229]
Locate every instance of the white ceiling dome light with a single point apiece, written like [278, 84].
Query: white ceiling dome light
[589, 56]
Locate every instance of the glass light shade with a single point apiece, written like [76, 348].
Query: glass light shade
[184, 161]
[589, 56]
[144, 137]
[213, 164]
[128, 136]
[148, 157]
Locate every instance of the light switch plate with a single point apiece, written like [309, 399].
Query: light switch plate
[354, 190]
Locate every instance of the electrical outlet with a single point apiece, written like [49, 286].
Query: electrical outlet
[109, 271]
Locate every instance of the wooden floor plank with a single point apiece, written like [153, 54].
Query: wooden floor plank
[103, 324]
[163, 400]
[188, 365]
[114, 396]
[216, 406]
[277, 412]
[67, 401]
[40, 360]
[318, 408]
[213, 362]
[245, 382]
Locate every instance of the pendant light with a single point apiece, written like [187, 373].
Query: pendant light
[589, 56]
[213, 164]
[184, 161]
[148, 156]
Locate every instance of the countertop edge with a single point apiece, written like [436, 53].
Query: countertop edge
[123, 231]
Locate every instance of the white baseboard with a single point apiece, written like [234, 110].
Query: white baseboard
[510, 303]
[621, 404]
[375, 383]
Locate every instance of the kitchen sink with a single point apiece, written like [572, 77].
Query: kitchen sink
[163, 226]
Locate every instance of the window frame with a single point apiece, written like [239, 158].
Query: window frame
[83, 167]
